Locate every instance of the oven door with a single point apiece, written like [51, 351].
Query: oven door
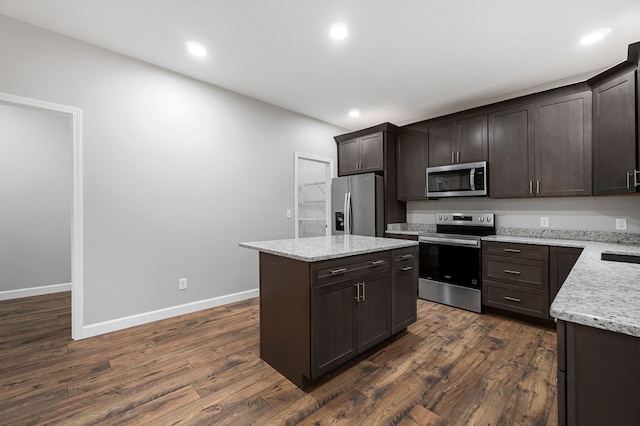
[453, 264]
[450, 272]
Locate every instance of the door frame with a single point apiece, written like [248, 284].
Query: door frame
[77, 284]
[328, 162]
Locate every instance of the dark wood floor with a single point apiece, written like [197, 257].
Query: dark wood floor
[452, 367]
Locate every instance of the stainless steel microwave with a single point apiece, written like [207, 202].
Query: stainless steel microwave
[457, 180]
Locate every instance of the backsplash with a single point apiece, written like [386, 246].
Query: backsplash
[414, 227]
[570, 218]
[564, 213]
[631, 238]
[569, 234]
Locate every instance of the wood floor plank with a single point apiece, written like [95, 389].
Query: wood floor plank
[451, 367]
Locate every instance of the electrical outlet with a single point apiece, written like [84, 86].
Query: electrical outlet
[621, 224]
[182, 284]
[544, 221]
[288, 214]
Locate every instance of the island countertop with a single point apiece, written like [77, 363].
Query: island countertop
[597, 293]
[323, 248]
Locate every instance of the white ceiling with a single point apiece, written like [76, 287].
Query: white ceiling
[404, 60]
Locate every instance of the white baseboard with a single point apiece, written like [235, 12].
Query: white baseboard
[147, 317]
[34, 291]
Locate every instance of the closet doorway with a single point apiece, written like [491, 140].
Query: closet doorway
[312, 189]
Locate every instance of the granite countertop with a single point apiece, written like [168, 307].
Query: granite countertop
[405, 232]
[597, 293]
[323, 248]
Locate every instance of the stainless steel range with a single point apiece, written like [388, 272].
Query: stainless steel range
[451, 260]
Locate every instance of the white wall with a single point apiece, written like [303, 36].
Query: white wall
[585, 213]
[176, 171]
[35, 200]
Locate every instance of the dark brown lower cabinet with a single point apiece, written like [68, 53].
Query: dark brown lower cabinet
[598, 376]
[373, 310]
[524, 278]
[561, 262]
[334, 328]
[404, 295]
[315, 316]
[348, 317]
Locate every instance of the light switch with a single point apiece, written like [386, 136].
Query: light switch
[288, 214]
[544, 221]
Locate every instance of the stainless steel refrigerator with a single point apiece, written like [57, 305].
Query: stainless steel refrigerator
[357, 205]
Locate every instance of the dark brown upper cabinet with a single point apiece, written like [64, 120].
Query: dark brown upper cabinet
[461, 141]
[542, 148]
[373, 150]
[412, 155]
[615, 144]
[563, 146]
[364, 154]
[511, 172]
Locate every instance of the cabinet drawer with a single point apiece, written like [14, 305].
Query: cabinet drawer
[516, 299]
[335, 270]
[520, 272]
[516, 251]
[404, 256]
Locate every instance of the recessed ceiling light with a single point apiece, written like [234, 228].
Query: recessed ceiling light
[196, 49]
[339, 30]
[595, 36]
[354, 113]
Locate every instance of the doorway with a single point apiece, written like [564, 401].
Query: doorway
[312, 189]
[39, 198]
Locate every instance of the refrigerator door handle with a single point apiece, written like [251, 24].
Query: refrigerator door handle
[345, 214]
[348, 214]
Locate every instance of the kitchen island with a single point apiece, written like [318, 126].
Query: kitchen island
[324, 300]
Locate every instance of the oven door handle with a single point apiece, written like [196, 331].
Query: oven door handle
[451, 241]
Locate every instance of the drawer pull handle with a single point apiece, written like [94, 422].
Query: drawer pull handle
[357, 286]
[407, 268]
[512, 250]
[512, 299]
[377, 262]
[509, 271]
[406, 256]
[338, 271]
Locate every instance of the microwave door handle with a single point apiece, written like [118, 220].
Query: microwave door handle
[472, 175]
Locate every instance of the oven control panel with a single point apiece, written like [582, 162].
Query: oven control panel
[466, 219]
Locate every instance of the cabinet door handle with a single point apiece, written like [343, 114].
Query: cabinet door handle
[537, 187]
[531, 187]
[509, 271]
[377, 262]
[363, 287]
[357, 285]
[512, 299]
[511, 250]
[338, 271]
[636, 181]
[629, 179]
[458, 156]
[406, 268]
